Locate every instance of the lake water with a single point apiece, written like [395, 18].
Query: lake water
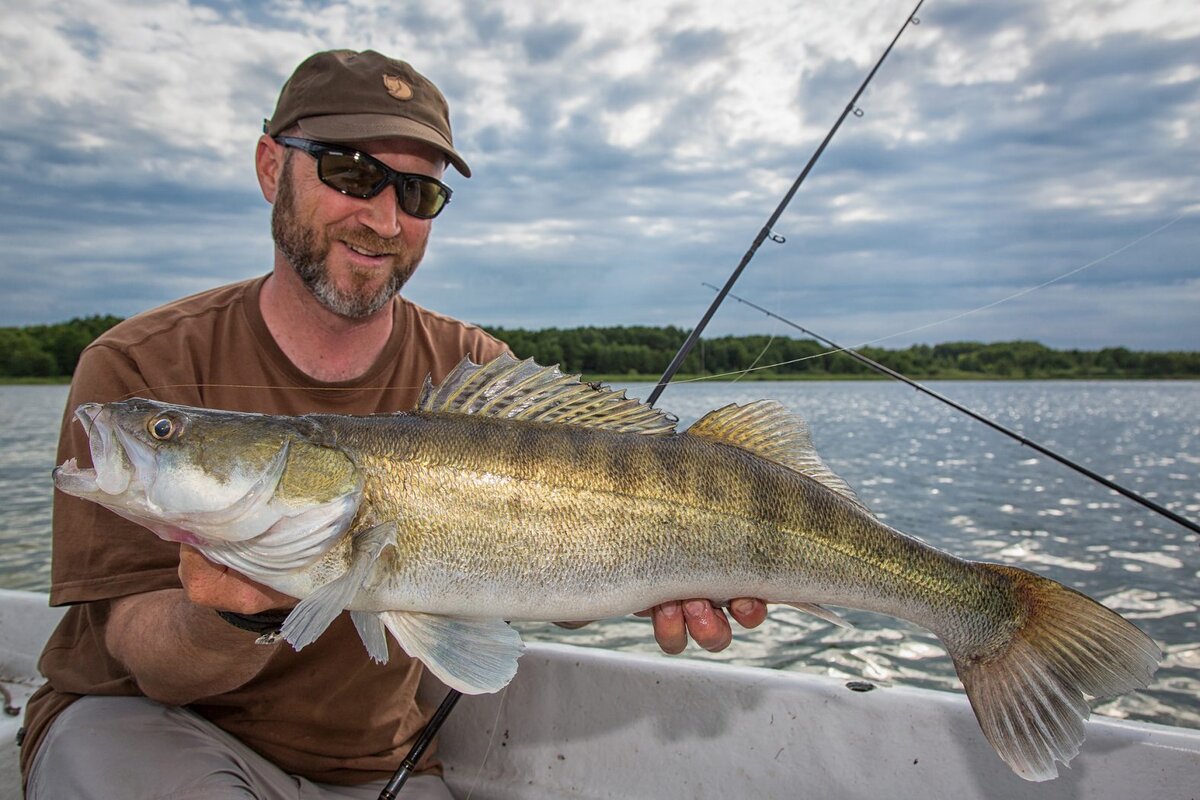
[923, 468]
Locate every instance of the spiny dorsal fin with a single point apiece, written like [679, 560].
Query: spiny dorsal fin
[511, 389]
[770, 431]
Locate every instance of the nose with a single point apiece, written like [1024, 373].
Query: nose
[382, 213]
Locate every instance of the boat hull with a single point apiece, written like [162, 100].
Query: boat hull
[582, 722]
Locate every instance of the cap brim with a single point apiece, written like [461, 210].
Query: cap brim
[347, 128]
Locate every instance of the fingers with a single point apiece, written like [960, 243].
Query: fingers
[214, 586]
[708, 626]
[670, 630]
[748, 611]
[674, 622]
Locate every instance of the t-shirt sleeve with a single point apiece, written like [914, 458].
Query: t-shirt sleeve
[96, 554]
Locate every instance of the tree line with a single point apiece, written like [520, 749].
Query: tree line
[49, 351]
[646, 351]
[52, 351]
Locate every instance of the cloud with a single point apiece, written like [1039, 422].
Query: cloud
[624, 152]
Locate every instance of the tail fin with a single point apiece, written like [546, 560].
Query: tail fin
[1028, 693]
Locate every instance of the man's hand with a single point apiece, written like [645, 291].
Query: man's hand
[706, 624]
[208, 584]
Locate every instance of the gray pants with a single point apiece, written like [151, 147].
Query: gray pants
[133, 748]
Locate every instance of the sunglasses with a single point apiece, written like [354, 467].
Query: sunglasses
[359, 175]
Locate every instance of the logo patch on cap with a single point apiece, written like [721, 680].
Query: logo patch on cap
[397, 88]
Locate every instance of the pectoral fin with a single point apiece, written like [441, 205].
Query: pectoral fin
[313, 614]
[470, 655]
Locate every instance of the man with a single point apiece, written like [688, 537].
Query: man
[156, 685]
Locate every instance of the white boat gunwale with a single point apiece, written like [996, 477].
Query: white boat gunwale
[585, 722]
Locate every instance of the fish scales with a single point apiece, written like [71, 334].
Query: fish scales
[514, 492]
[534, 507]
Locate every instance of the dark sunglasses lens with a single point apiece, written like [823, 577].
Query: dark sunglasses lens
[359, 176]
[350, 173]
[422, 198]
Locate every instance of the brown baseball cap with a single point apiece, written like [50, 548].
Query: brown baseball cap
[344, 96]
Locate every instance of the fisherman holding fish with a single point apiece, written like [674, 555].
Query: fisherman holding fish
[157, 686]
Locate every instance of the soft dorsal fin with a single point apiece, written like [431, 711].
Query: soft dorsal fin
[770, 431]
[511, 389]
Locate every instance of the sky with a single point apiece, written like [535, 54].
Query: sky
[1021, 169]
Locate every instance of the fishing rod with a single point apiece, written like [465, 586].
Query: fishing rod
[1024, 440]
[435, 723]
[419, 746]
[767, 231]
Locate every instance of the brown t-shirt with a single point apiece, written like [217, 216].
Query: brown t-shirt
[328, 713]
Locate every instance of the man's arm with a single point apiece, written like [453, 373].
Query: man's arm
[174, 644]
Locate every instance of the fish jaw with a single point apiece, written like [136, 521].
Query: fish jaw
[83, 483]
[69, 478]
[152, 482]
[113, 470]
[122, 465]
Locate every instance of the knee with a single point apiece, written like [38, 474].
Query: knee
[65, 758]
[106, 747]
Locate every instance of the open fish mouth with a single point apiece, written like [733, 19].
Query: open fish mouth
[69, 478]
[121, 462]
[112, 470]
[72, 480]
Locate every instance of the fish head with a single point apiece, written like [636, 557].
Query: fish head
[206, 477]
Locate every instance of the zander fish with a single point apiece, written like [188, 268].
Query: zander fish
[513, 492]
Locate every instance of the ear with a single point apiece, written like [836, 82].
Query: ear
[268, 164]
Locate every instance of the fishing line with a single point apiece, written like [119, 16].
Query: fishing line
[491, 742]
[1031, 289]
[265, 386]
[666, 379]
[1024, 440]
[740, 372]
[761, 353]
[847, 350]
[767, 231]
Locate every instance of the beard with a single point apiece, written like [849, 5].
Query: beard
[307, 250]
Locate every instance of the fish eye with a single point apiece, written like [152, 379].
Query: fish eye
[162, 428]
